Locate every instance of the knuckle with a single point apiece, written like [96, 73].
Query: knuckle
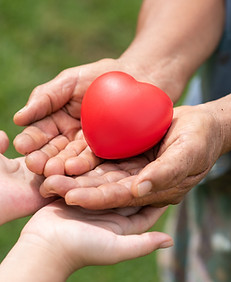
[64, 73]
[37, 90]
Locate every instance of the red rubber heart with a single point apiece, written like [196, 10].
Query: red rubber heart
[122, 117]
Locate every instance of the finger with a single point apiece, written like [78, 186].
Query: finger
[106, 196]
[144, 219]
[4, 142]
[32, 138]
[103, 168]
[114, 195]
[133, 246]
[166, 171]
[84, 162]
[36, 161]
[58, 184]
[40, 133]
[47, 98]
[56, 165]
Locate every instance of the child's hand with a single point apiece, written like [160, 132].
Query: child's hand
[19, 189]
[62, 239]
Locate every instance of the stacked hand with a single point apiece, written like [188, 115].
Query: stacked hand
[56, 147]
[60, 239]
[96, 237]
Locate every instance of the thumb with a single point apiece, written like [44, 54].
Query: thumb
[134, 246]
[47, 98]
[165, 172]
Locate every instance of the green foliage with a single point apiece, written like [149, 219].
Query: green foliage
[38, 40]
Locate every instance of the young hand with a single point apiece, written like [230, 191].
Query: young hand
[19, 187]
[62, 239]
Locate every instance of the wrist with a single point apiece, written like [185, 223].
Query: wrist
[172, 40]
[162, 70]
[32, 256]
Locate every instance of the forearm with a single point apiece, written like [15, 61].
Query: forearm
[28, 262]
[173, 38]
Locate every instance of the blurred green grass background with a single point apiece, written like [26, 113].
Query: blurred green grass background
[38, 40]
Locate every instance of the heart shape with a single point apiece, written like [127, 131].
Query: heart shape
[122, 117]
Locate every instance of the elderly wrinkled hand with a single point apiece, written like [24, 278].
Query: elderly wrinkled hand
[159, 177]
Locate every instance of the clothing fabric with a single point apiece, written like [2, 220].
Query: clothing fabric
[202, 223]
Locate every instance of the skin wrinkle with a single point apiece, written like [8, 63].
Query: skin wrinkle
[35, 128]
[75, 79]
[80, 74]
[173, 175]
[89, 155]
[115, 198]
[49, 123]
[88, 162]
[113, 226]
[50, 108]
[65, 75]
[134, 171]
[60, 159]
[118, 194]
[64, 108]
[58, 128]
[110, 176]
[64, 140]
[187, 185]
[172, 198]
[123, 164]
[163, 147]
[71, 107]
[51, 104]
[55, 145]
[52, 146]
[67, 133]
[75, 147]
[33, 140]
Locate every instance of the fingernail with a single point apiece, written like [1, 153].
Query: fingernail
[144, 188]
[166, 244]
